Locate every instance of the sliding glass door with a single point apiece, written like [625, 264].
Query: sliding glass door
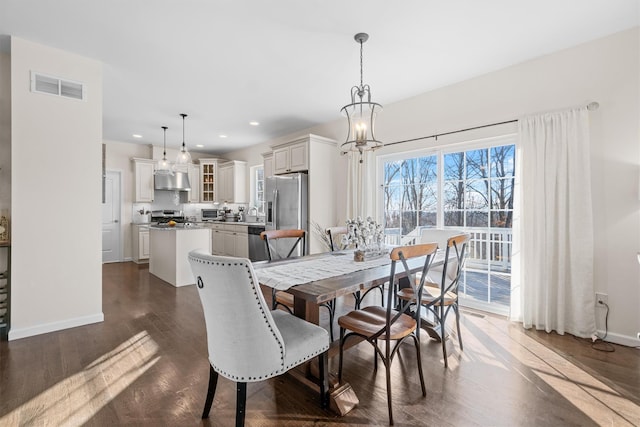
[469, 188]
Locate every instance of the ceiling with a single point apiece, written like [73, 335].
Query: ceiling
[289, 64]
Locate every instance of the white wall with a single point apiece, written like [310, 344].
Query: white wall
[607, 71]
[56, 194]
[5, 143]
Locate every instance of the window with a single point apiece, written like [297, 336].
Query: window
[469, 189]
[257, 188]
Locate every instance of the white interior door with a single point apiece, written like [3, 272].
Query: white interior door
[111, 229]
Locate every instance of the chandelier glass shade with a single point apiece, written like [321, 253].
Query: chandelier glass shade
[184, 158]
[163, 167]
[361, 114]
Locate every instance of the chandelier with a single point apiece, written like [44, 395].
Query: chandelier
[163, 167]
[361, 114]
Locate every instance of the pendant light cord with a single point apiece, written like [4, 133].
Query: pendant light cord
[164, 147]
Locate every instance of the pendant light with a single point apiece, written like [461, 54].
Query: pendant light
[163, 167]
[184, 158]
[361, 114]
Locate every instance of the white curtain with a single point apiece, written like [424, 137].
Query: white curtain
[553, 253]
[360, 185]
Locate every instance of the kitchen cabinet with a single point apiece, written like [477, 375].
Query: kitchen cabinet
[232, 182]
[143, 171]
[267, 161]
[229, 239]
[140, 243]
[291, 157]
[194, 181]
[208, 180]
[217, 243]
[240, 241]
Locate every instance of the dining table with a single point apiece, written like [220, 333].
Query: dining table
[318, 278]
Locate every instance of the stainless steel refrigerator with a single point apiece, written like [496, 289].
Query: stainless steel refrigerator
[286, 208]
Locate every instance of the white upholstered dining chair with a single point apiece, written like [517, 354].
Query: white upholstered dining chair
[248, 342]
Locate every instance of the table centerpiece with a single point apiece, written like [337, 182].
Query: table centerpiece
[366, 236]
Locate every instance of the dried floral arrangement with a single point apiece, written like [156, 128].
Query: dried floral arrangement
[366, 236]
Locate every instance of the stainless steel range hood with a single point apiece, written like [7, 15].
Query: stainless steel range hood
[177, 182]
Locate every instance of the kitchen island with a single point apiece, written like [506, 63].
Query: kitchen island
[169, 248]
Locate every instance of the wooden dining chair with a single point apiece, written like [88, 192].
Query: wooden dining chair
[440, 298]
[295, 239]
[334, 235]
[389, 325]
[246, 341]
[283, 298]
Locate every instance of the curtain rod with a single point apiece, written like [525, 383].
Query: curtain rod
[436, 135]
[592, 106]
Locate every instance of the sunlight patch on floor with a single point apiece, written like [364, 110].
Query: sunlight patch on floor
[591, 396]
[480, 353]
[74, 400]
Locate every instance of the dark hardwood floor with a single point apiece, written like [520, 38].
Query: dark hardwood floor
[146, 364]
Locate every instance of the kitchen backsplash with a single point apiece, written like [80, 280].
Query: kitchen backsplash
[171, 200]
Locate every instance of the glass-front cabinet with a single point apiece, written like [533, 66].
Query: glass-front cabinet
[208, 179]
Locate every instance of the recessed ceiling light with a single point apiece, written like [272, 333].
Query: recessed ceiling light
[254, 123]
[135, 135]
[222, 136]
[199, 145]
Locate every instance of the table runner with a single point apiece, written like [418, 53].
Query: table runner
[283, 276]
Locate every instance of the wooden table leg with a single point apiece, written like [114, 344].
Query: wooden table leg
[342, 397]
[306, 310]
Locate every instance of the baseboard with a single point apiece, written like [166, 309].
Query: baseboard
[625, 340]
[15, 334]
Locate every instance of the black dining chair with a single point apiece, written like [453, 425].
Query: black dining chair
[296, 238]
[334, 235]
[440, 298]
[390, 325]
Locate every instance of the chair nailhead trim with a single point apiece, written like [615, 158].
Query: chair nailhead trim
[283, 368]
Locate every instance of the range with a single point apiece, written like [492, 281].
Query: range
[164, 216]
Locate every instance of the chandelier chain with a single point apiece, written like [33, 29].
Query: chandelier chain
[361, 80]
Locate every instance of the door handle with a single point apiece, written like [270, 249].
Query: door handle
[275, 209]
[115, 220]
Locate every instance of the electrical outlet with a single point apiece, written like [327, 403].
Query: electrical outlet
[601, 299]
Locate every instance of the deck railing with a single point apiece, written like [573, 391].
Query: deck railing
[487, 245]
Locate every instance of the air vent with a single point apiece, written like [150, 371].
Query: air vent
[51, 85]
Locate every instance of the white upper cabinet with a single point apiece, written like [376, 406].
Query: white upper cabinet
[292, 157]
[194, 181]
[143, 171]
[268, 164]
[232, 182]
